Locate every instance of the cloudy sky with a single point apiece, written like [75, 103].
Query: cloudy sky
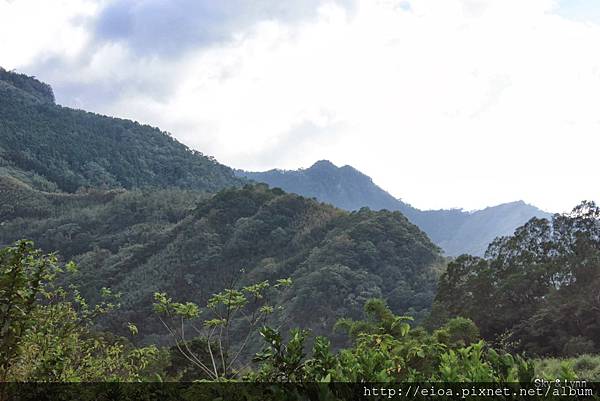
[445, 103]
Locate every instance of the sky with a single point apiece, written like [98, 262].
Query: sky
[444, 103]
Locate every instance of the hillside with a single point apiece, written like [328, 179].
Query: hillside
[54, 148]
[460, 232]
[190, 246]
[137, 211]
[344, 187]
[455, 231]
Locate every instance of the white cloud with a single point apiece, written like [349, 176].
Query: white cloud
[443, 102]
[32, 30]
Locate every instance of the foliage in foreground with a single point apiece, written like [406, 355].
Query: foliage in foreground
[47, 335]
[223, 328]
[583, 366]
[386, 349]
[45, 330]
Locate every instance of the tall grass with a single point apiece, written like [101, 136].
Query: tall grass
[584, 366]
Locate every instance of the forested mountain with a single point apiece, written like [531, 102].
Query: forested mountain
[55, 148]
[459, 232]
[191, 246]
[132, 206]
[454, 230]
[162, 232]
[344, 187]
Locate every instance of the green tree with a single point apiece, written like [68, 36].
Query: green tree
[46, 330]
[386, 349]
[536, 290]
[225, 326]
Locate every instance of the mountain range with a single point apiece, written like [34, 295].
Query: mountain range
[53, 148]
[455, 231]
[141, 213]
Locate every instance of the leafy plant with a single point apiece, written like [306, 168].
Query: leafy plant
[386, 349]
[46, 330]
[242, 310]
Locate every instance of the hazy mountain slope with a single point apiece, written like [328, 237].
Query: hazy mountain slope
[344, 187]
[454, 230]
[480, 228]
[130, 205]
[139, 242]
[55, 148]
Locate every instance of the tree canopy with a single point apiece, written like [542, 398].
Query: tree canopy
[536, 290]
[56, 148]
[192, 246]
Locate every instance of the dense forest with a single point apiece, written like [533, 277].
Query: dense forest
[537, 290]
[54, 340]
[455, 231]
[139, 242]
[125, 256]
[54, 148]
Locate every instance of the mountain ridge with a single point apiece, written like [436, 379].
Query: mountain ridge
[138, 242]
[55, 148]
[455, 230]
[140, 213]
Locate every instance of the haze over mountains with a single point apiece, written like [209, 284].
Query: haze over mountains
[456, 231]
[129, 254]
[53, 148]
[139, 213]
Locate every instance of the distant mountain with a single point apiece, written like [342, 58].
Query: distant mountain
[54, 148]
[459, 232]
[344, 187]
[140, 212]
[454, 230]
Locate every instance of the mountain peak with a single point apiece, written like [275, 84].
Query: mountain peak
[327, 166]
[30, 85]
[517, 203]
[520, 204]
[323, 164]
[455, 230]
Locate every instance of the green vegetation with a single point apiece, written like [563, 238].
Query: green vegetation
[47, 335]
[583, 366]
[455, 231]
[54, 148]
[537, 291]
[28, 85]
[181, 273]
[228, 314]
[344, 187]
[46, 331]
[192, 246]
[385, 349]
